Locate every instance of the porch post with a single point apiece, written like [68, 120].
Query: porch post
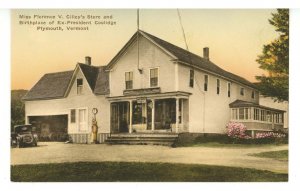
[177, 115]
[130, 116]
[153, 116]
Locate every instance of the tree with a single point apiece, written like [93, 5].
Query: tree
[17, 108]
[275, 60]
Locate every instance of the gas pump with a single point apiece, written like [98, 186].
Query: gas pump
[94, 126]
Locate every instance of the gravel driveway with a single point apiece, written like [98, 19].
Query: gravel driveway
[55, 152]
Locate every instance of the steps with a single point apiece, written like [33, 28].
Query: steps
[166, 139]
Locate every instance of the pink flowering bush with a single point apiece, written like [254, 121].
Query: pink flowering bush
[237, 130]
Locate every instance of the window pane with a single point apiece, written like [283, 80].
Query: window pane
[79, 82]
[241, 113]
[228, 89]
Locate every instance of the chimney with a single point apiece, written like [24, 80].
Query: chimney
[206, 53]
[88, 60]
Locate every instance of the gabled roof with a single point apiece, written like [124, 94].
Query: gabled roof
[184, 56]
[55, 85]
[50, 86]
[90, 73]
[240, 103]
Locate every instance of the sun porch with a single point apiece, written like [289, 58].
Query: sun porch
[257, 117]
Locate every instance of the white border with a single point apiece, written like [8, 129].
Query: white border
[294, 161]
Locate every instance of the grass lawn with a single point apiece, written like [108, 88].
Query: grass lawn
[278, 155]
[139, 172]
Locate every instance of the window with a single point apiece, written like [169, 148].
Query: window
[242, 92]
[228, 89]
[241, 113]
[218, 86]
[205, 82]
[262, 115]
[253, 94]
[256, 114]
[138, 115]
[269, 116]
[154, 77]
[247, 113]
[79, 86]
[191, 78]
[73, 116]
[128, 80]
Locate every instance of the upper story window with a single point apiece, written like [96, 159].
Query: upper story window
[128, 80]
[218, 86]
[154, 77]
[79, 86]
[228, 89]
[205, 82]
[192, 78]
[253, 94]
[242, 91]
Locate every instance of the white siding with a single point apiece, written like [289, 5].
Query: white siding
[87, 100]
[150, 56]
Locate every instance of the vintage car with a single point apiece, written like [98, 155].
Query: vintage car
[24, 135]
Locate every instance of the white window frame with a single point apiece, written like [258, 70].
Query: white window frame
[79, 86]
[132, 80]
[157, 77]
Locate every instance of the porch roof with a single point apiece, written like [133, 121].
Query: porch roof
[175, 94]
[240, 103]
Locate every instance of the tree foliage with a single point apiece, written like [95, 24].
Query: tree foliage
[275, 59]
[17, 108]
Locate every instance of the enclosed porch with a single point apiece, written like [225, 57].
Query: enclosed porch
[151, 114]
[257, 117]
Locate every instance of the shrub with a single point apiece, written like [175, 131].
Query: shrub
[237, 130]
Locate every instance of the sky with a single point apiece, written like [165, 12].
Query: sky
[234, 37]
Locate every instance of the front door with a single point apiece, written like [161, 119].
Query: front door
[120, 117]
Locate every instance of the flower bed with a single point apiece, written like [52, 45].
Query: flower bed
[237, 133]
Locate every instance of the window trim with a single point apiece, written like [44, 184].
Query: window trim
[157, 77]
[126, 81]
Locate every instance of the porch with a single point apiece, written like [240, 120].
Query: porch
[151, 113]
[257, 117]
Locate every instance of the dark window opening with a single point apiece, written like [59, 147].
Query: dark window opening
[73, 116]
[229, 89]
[242, 91]
[191, 78]
[205, 82]
[218, 86]
[79, 86]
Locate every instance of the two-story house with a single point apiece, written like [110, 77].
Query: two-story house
[150, 86]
